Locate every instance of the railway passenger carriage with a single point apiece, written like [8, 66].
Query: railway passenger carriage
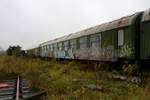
[125, 38]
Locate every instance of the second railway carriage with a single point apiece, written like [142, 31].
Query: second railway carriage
[106, 42]
[125, 38]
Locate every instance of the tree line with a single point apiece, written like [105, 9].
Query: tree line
[15, 50]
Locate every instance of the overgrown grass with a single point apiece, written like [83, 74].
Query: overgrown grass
[69, 81]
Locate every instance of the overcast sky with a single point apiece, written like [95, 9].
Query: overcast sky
[30, 22]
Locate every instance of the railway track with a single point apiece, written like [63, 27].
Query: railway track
[17, 89]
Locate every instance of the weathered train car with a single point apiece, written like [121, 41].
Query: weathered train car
[106, 42]
[125, 38]
[34, 52]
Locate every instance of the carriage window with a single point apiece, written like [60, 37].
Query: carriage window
[55, 47]
[73, 44]
[46, 47]
[95, 40]
[51, 46]
[60, 46]
[120, 37]
[83, 42]
[66, 45]
[42, 48]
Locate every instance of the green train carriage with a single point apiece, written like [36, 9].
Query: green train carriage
[106, 42]
[126, 38]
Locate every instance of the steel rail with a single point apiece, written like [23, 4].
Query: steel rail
[18, 88]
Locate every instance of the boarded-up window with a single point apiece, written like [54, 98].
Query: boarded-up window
[120, 37]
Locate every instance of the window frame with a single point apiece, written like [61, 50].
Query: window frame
[73, 44]
[66, 45]
[95, 40]
[83, 43]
